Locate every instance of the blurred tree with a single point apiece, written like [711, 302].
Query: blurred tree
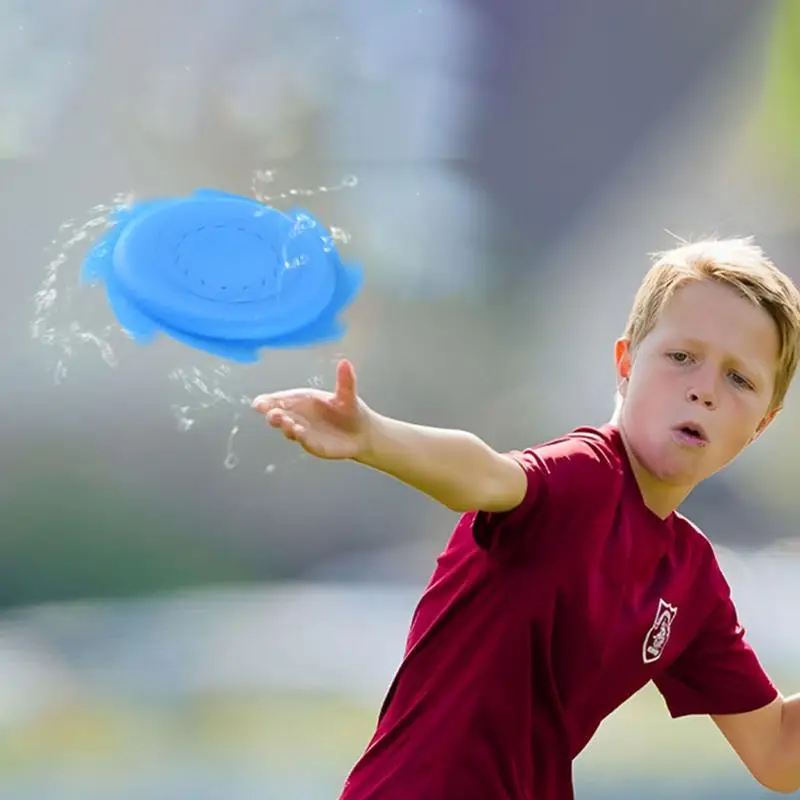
[778, 120]
[71, 534]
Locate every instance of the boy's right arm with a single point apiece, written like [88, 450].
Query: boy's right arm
[454, 467]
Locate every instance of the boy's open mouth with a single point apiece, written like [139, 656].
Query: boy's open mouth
[691, 433]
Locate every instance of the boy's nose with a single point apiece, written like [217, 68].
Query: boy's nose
[706, 397]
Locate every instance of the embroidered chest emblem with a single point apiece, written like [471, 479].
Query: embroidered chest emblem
[658, 635]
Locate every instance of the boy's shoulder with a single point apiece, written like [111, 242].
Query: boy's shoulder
[585, 444]
[587, 463]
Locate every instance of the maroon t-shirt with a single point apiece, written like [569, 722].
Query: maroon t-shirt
[538, 623]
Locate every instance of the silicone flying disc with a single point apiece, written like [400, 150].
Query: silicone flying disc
[223, 273]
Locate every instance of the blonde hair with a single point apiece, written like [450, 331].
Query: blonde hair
[738, 263]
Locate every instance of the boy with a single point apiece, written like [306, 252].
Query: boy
[571, 581]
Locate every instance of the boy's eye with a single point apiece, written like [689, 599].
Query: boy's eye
[741, 381]
[679, 357]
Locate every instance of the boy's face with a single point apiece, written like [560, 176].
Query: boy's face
[698, 388]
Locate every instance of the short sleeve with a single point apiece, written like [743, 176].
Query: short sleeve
[567, 474]
[719, 673]
[488, 526]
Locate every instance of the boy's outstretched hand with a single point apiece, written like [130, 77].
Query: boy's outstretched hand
[327, 425]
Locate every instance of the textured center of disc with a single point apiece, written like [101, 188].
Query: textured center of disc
[227, 263]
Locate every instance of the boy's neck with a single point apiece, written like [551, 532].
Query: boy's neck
[662, 499]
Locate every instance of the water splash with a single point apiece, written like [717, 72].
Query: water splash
[62, 309]
[56, 319]
[263, 190]
[205, 390]
[231, 458]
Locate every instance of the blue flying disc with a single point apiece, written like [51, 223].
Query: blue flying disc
[223, 273]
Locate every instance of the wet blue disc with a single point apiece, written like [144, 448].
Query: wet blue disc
[223, 273]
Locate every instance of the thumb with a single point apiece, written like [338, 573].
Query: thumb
[346, 383]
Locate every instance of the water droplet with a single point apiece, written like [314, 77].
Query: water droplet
[293, 263]
[108, 355]
[340, 235]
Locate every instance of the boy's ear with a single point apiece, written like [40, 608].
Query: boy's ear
[624, 362]
[765, 423]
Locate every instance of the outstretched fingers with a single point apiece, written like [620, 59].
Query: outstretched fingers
[265, 403]
[292, 426]
[284, 401]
